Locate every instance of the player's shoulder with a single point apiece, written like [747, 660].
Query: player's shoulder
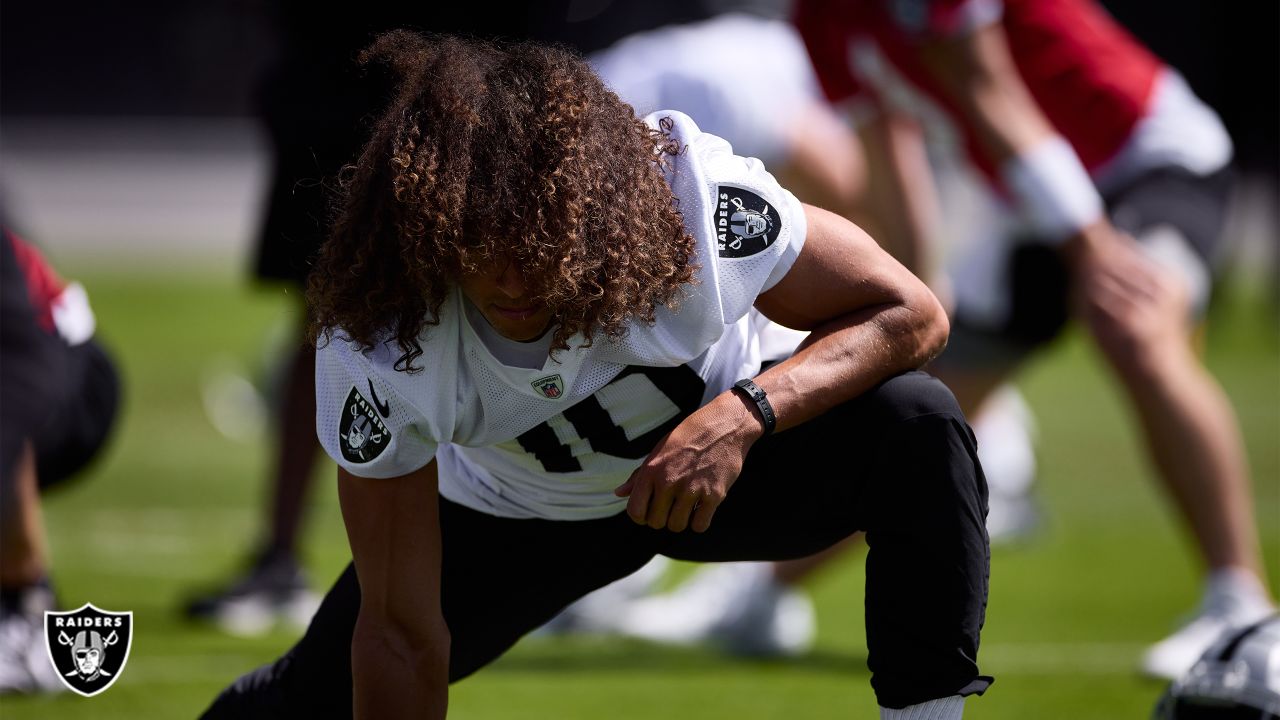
[672, 123]
[386, 358]
[747, 207]
[706, 158]
[687, 141]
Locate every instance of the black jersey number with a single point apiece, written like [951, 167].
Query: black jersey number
[593, 423]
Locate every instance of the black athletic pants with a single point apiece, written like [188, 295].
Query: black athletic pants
[898, 462]
[62, 398]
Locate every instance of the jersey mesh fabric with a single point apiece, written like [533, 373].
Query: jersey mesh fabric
[340, 369]
[504, 443]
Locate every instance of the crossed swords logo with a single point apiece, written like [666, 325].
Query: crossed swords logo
[88, 657]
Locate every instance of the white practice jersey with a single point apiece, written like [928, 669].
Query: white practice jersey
[518, 433]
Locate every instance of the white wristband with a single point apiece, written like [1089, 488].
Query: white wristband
[1053, 189]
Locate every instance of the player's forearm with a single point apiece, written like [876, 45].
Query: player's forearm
[400, 649]
[868, 319]
[399, 675]
[847, 356]
[1037, 166]
[1007, 119]
[902, 206]
[978, 74]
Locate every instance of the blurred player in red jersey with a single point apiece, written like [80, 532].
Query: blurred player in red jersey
[59, 393]
[1116, 178]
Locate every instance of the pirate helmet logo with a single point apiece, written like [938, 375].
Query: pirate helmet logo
[747, 223]
[744, 223]
[88, 650]
[358, 434]
[88, 647]
[362, 435]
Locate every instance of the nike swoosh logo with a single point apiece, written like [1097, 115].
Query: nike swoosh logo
[383, 407]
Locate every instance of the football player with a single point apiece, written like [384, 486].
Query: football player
[1113, 178]
[1116, 179]
[541, 311]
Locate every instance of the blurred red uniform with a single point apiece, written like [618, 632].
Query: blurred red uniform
[1090, 77]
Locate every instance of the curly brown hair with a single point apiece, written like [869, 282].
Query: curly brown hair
[487, 152]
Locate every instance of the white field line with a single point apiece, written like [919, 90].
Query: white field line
[144, 543]
[127, 518]
[1097, 658]
[1005, 659]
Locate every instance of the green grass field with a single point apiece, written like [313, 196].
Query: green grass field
[173, 506]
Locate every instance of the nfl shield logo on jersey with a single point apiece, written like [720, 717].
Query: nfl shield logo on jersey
[88, 647]
[550, 387]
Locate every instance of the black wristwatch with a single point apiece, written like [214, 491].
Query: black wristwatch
[757, 396]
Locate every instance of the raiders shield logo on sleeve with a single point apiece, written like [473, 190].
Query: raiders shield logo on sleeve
[362, 435]
[745, 223]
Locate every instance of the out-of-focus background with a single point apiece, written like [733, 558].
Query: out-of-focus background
[131, 153]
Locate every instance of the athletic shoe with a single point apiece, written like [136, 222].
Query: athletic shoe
[274, 591]
[739, 607]
[1232, 600]
[232, 403]
[24, 657]
[1005, 430]
[597, 612]
[1013, 519]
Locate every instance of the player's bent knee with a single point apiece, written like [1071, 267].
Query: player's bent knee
[255, 694]
[926, 446]
[1141, 359]
[911, 395]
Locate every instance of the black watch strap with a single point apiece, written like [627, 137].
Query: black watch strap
[757, 396]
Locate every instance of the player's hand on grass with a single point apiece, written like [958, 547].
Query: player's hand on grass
[689, 473]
